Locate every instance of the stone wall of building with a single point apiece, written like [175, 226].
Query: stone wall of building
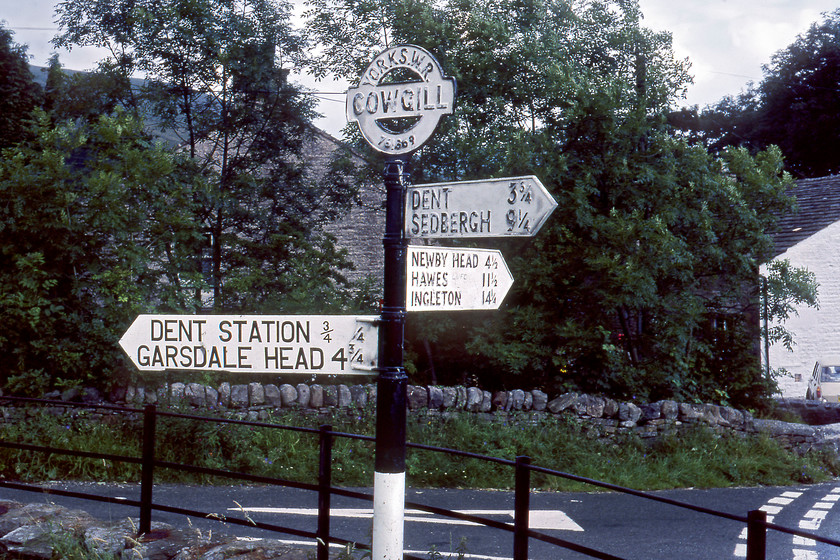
[360, 231]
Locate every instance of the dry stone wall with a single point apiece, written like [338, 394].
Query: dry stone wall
[812, 412]
[603, 417]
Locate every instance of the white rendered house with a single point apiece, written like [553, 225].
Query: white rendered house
[810, 238]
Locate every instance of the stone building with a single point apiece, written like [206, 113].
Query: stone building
[361, 230]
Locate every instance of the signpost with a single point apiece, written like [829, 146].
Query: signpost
[396, 117]
[514, 206]
[455, 279]
[254, 343]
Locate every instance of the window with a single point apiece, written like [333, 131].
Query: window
[830, 374]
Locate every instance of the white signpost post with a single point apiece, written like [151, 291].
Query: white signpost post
[254, 343]
[513, 206]
[455, 279]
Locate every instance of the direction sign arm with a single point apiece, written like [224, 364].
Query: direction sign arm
[504, 207]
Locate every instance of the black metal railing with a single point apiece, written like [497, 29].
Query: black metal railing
[755, 521]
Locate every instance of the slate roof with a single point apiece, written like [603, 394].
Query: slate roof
[818, 200]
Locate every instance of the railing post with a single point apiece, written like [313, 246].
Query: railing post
[521, 507]
[147, 468]
[756, 535]
[324, 484]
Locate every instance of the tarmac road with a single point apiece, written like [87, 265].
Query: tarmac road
[621, 525]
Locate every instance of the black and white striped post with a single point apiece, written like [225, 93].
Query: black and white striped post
[389, 476]
[395, 118]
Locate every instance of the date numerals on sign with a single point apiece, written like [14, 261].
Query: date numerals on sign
[353, 353]
[389, 144]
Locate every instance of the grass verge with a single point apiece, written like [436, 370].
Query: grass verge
[695, 458]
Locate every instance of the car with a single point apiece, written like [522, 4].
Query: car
[824, 383]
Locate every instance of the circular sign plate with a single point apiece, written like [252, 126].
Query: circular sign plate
[397, 117]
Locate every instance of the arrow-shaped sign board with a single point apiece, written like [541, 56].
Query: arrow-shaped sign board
[515, 206]
[452, 279]
[254, 343]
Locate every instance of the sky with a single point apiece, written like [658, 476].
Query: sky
[727, 41]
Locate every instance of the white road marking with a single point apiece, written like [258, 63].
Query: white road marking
[770, 510]
[548, 519]
[811, 521]
[538, 519]
[780, 501]
[810, 524]
[444, 555]
[773, 507]
[816, 514]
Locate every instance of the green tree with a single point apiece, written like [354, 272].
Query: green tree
[19, 94]
[785, 288]
[94, 229]
[84, 95]
[216, 78]
[795, 107]
[645, 280]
